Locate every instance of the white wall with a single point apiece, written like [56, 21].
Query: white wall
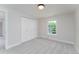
[42, 27]
[13, 26]
[65, 28]
[28, 29]
[77, 30]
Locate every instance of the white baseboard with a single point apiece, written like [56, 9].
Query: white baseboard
[63, 41]
[17, 44]
[10, 46]
[41, 38]
[28, 40]
[77, 49]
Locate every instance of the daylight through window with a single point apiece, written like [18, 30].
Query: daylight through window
[52, 27]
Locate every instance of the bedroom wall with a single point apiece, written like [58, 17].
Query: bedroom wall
[77, 30]
[13, 26]
[65, 28]
[15, 35]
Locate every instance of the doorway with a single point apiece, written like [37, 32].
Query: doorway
[2, 30]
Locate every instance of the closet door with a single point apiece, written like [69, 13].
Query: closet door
[28, 29]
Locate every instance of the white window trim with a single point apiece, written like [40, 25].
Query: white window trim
[48, 28]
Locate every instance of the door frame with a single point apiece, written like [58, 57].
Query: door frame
[5, 27]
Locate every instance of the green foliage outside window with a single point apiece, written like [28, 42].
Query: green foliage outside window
[52, 27]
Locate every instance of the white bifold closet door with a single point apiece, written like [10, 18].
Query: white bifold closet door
[28, 29]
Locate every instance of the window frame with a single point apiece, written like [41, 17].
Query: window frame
[48, 27]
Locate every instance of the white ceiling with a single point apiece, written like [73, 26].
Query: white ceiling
[32, 11]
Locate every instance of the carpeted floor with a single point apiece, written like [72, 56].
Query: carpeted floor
[41, 46]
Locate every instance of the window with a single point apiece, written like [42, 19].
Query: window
[52, 27]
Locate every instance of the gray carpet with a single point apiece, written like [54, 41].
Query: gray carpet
[41, 46]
